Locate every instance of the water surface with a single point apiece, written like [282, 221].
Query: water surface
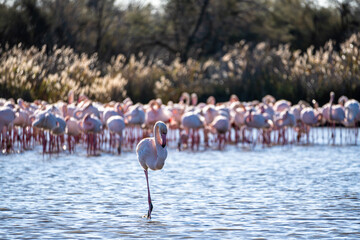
[281, 192]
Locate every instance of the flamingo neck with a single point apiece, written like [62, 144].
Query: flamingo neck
[160, 150]
[157, 135]
[330, 108]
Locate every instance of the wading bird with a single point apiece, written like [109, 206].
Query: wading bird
[151, 153]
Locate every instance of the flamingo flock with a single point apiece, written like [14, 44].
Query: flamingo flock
[115, 126]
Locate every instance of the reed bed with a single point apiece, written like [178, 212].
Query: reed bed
[247, 70]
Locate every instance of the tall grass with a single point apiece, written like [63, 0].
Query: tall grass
[249, 71]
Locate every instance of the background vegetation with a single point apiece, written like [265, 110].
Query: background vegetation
[291, 49]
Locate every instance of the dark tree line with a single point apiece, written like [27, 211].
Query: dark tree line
[180, 28]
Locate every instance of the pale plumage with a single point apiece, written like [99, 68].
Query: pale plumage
[282, 105]
[256, 120]
[135, 115]
[7, 116]
[151, 153]
[116, 125]
[285, 119]
[352, 112]
[60, 126]
[309, 116]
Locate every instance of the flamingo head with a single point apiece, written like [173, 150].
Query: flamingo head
[332, 95]
[314, 102]
[163, 139]
[163, 132]
[194, 99]
[251, 115]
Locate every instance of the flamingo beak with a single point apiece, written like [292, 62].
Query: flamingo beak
[163, 138]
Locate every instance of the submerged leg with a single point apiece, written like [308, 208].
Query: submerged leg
[149, 197]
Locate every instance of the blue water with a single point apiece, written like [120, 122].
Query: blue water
[281, 192]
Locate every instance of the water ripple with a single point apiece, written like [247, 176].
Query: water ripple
[307, 192]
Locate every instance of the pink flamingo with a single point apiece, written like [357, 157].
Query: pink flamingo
[116, 125]
[151, 153]
[282, 105]
[176, 111]
[310, 117]
[283, 121]
[209, 112]
[46, 121]
[23, 123]
[352, 112]
[336, 114]
[86, 107]
[238, 118]
[91, 125]
[135, 118]
[352, 115]
[73, 131]
[135, 115]
[193, 121]
[7, 116]
[156, 112]
[258, 121]
[221, 125]
[59, 132]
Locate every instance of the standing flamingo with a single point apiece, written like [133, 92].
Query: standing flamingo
[336, 115]
[151, 153]
[310, 117]
[221, 125]
[91, 125]
[7, 116]
[116, 125]
[193, 121]
[258, 121]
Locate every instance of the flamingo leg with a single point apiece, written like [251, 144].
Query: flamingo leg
[149, 197]
[120, 141]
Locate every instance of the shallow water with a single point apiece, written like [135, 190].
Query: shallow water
[279, 192]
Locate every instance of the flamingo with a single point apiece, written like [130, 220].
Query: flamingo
[282, 105]
[116, 125]
[134, 118]
[284, 120]
[237, 112]
[194, 121]
[268, 99]
[73, 130]
[221, 125]
[59, 131]
[194, 99]
[176, 110]
[336, 114]
[46, 121]
[156, 113]
[310, 117]
[21, 121]
[135, 115]
[151, 153]
[352, 115]
[91, 125]
[86, 107]
[7, 116]
[258, 121]
[352, 112]
[209, 112]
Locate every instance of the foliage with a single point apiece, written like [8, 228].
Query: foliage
[179, 29]
[247, 70]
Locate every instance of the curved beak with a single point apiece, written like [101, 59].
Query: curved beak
[163, 138]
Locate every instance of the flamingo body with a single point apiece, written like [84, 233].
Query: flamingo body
[151, 153]
[309, 117]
